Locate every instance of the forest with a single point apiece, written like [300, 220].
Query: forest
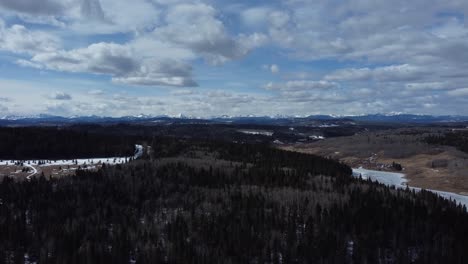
[23, 143]
[207, 201]
[458, 139]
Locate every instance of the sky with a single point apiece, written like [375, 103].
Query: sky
[236, 58]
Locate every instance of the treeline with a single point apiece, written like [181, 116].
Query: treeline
[265, 206]
[457, 139]
[261, 154]
[61, 143]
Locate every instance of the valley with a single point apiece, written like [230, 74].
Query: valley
[428, 166]
[250, 193]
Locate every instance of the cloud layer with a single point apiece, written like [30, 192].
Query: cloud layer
[276, 57]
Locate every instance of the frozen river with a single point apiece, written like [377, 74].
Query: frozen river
[398, 180]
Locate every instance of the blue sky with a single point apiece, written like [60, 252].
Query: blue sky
[211, 58]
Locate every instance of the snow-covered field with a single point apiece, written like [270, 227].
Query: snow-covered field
[316, 137]
[71, 164]
[398, 180]
[90, 161]
[46, 163]
[257, 132]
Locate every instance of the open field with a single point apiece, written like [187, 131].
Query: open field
[426, 166]
[57, 168]
[25, 169]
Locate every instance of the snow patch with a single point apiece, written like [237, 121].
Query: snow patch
[138, 151]
[328, 125]
[257, 132]
[387, 178]
[316, 137]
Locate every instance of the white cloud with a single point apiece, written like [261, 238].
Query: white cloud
[274, 68]
[264, 16]
[18, 39]
[155, 57]
[363, 32]
[183, 92]
[118, 61]
[393, 73]
[350, 74]
[154, 73]
[159, 54]
[100, 58]
[412, 60]
[453, 28]
[86, 16]
[424, 86]
[300, 85]
[195, 27]
[278, 19]
[158, 49]
[59, 108]
[113, 16]
[256, 17]
[458, 92]
[96, 92]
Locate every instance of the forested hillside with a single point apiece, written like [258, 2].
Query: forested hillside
[57, 143]
[217, 202]
[457, 139]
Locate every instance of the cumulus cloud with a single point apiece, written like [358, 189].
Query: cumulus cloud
[59, 108]
[86, 16]
[101, 58]
[362, 29]
[157, 57]
[112, 16]
[19, 39]
[414, 46]
[411, 60]
[195, 27]
[169, 73]
[118, 61]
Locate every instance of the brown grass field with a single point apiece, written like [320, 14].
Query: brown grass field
[426, 166]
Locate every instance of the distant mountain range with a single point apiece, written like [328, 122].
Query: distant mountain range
[318, 120]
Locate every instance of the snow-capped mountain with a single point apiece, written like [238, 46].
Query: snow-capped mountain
[45, 119]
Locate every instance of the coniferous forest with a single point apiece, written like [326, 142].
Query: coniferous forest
[23, 143]
[197, 201]
[458, 139]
